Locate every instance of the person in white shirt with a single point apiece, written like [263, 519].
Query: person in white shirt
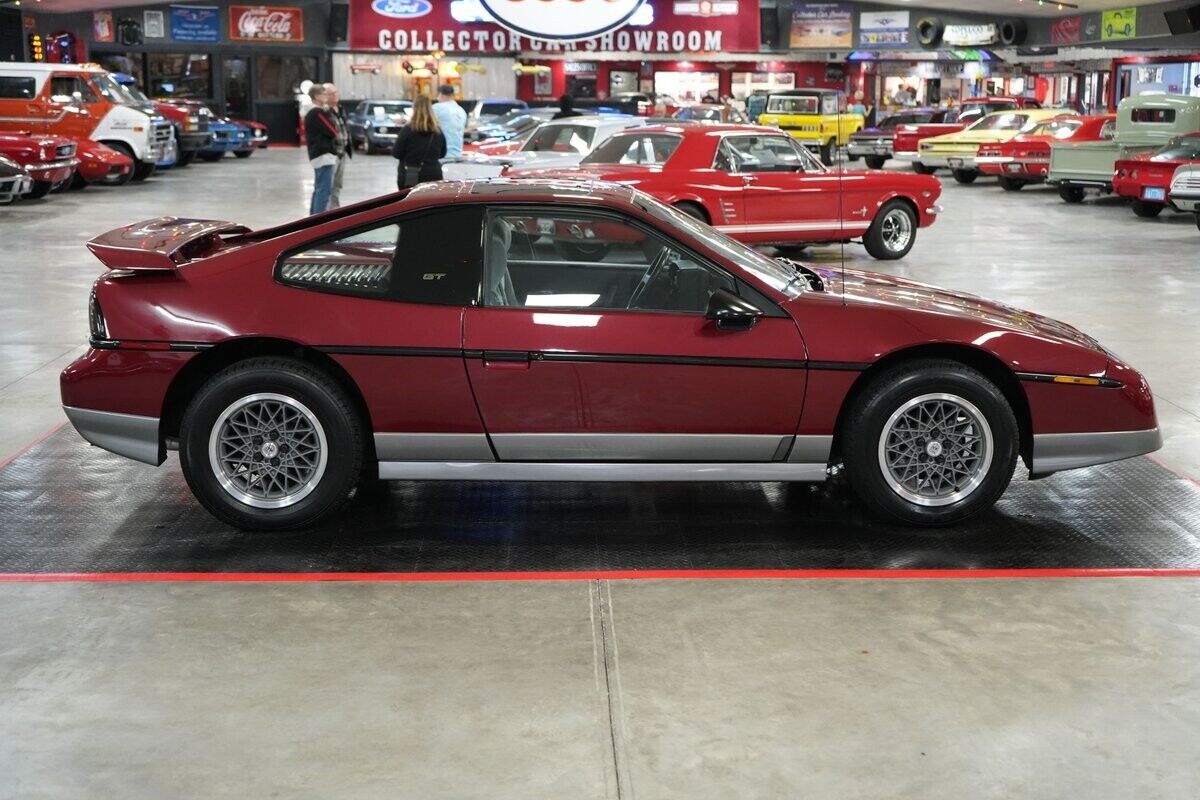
[451, 119]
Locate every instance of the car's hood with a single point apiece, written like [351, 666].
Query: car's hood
[617, 173]
[971, 137]
[876, 289]
[535, 160]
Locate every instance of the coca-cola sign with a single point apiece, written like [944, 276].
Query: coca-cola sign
[266, 24]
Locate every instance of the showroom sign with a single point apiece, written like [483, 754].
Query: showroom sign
[971, 35]
[266, 24]
[561, 20]
[377, 25]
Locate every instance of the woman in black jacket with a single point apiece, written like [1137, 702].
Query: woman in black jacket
[418, 147]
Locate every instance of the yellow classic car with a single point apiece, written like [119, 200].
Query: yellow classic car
[957, 150]
[813, 116]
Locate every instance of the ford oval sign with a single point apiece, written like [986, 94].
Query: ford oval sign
[564, 20]
[402, 9]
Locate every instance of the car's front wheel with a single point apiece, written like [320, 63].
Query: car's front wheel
[875, 162]
[1011, 184]
[243, 153]
[827, 151]
[893, 232]
[930, 442]
[271, 444]
[965, 175]
[923, 169]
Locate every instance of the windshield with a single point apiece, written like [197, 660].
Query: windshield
[783, 104]
[497, 108]
[112, 91]
[1058, 128]
[635, 148]
[1185, 148]
[771, 272]
[1008, 121]
[561, 139]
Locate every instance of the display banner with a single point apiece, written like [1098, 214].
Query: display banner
[195, 24]
[266, 24]
[971, 35]
[423, 26]
[883, 28]
[1119, 23]
[822, 25]
[1067, 30]
[102, 26]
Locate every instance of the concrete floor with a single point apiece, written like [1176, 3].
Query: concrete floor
[647, 689]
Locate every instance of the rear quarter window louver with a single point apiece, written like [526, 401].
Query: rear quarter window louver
[348, 278]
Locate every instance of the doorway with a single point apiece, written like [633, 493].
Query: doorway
[236, 70]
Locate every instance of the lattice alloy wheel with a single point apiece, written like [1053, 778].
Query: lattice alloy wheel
[936, 449]
[268, 450]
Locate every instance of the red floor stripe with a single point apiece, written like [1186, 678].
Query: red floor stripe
[8, 460]
[700, 574]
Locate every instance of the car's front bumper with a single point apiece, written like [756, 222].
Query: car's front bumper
[53, 171]
[14, 187]
[124, 434]
[1054, 452]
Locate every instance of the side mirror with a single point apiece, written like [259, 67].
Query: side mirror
[730, 312]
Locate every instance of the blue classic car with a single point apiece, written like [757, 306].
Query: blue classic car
[228, 137]
[375, 123]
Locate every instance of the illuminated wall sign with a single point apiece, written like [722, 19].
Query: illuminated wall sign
[561, 20]
[402, 9]
[971, 35]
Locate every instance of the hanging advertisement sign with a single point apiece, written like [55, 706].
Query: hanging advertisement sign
[883, 28]
[102, 26]
[822, 25]
[408, 26]
[266, 24]
[561, 20]
[1067, 30]
[154, 24]
[1119, 23]
[971, 35]
[195, 24]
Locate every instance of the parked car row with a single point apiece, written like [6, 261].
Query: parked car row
[67, 126]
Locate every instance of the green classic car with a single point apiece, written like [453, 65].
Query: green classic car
[1144, 123]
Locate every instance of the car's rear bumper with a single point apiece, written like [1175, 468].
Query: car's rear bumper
[943, 160]
[1054, 452]
[124, 434]
[869, 149]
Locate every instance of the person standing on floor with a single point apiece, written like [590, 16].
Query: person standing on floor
[345, 149]
[451, 119]
[320, 133]
[419, 147]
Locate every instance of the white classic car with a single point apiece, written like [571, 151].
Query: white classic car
[558, 143]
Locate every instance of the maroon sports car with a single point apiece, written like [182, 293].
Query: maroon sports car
[542, 331]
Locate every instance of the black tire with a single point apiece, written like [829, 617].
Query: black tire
[851, 156]
[921, 169]
[1011, 184]
[867, 424]
[965, 176]
[38, 190]
[142, 170]
[316, 394]
[243, 153]
[1198, 219]
[186, 157]
[1071, 194]
[211, 157]
[693, 210]
[875, 162]
[77, 182]
[827, 153]
[1147, 210]
[882, 240]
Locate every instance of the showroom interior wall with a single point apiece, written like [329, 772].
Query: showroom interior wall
[271, 67]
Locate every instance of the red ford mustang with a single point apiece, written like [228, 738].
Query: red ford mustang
[1146, 178]
[451, 334]
[1025, 158]
[759, 186]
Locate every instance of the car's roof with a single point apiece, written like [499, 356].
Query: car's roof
[524, 190]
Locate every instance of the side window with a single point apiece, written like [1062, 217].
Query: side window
[17, 87]
[432, 257]
[567, 260]
[829, 104]
[764, 154]
[1162, 115]
[64, 87]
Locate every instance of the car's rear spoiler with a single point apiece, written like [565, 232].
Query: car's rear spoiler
[161, 244]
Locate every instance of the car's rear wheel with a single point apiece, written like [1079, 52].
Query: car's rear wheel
[692, 210]
[930, 442]
[210, 157]
[827, 153]
[965, 176]
[893, 231]
[271, 444]
[876, 162]
[1147, 210]
[1011, 184]
[922, 169]
[1071, 194]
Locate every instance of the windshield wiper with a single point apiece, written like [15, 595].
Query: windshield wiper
[804, 273]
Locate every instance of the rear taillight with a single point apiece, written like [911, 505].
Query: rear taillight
[96, 324]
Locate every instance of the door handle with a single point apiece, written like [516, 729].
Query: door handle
[748, 179]
[506, 359]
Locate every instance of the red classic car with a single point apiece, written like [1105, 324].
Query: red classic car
[271, 359]
[99, 163]
[1146, 178]
[261, 138]
[1025, 158]
[906, 143]
[500, 147]
[49, 160]
[761, 187]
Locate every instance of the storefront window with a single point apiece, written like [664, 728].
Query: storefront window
[180, 75]
[745, 84]
[687, 87]
[279, 77]
[129, 63]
